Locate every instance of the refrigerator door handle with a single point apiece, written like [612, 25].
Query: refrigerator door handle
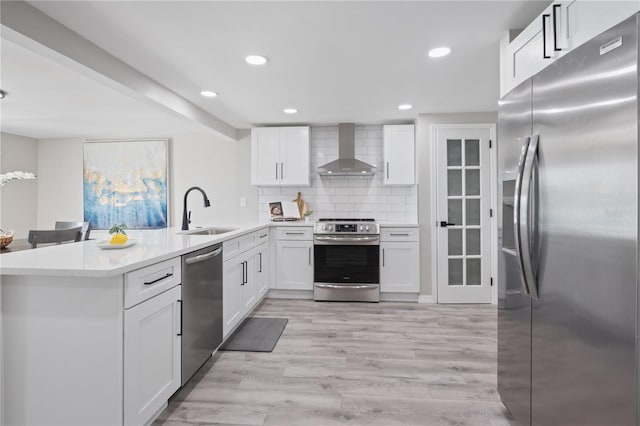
[526, 202]
[516, 211]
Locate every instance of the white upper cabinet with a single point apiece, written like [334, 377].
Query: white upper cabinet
[265, 155]
[280, 156]
[560, 28]
[583, 19]
[399, 155]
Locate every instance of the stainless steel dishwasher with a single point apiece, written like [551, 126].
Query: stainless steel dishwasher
[201, 307]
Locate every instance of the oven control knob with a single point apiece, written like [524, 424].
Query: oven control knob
[324, 227]
[367, 227]
[330, 227]
[361, 227]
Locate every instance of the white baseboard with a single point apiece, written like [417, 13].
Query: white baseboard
[426, 299]
[290, 294]
[398, 297]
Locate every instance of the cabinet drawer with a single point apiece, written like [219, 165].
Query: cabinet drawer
[144, 283]
[294, 233]
[262, 236]
[238, 245]
[399, 234]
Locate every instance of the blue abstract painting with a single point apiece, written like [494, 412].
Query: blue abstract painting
[125, 182]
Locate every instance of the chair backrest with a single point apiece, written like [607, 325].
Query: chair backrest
[54, 236]
[86, 227]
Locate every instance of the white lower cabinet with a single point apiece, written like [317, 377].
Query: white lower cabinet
[262, 269]
[249, 289]
[152, 361]
[399, 267]
[244, 283]
[399, 260]
[239, 293]
[294, 264]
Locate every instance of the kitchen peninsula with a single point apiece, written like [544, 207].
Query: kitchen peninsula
[92, 336]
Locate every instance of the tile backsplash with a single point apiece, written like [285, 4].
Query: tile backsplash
[352, 196]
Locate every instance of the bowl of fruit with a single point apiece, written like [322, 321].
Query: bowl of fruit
[6, 238]
[118, 239]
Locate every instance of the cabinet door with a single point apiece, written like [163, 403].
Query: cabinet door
[262, 269]
[232, 282]
[400, 267]
[587, 19]
[534, 48]
[265, 156]
[249, 289]
[399, 155]
[151, 355]
[295, 265]
[294, 156]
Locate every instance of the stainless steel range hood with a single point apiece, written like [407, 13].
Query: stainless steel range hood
[346, 164]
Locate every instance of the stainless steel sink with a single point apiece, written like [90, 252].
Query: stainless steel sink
[208, 231]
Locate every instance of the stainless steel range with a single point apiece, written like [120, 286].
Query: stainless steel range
[347, 260]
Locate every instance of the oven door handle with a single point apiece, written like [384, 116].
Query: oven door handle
[347, 239]
[356, 287]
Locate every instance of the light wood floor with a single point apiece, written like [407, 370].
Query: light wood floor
[357, 364]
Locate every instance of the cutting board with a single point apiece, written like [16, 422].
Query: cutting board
[302, 206]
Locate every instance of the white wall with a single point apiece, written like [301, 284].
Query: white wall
[222, 169]
[18, 199]
[424, 150]
[353, 196]
[202, 159]
[59, 181]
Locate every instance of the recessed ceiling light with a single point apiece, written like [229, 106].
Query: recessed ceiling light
[405, 106]
[290, 110]
[256, 59]
[209, 94]
[439, 52]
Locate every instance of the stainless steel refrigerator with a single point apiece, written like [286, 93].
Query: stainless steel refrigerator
[568, 258]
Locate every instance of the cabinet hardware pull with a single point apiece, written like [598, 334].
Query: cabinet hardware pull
[281, 170]
[309, 255]
[399, 235]
[544, 36]
[276, 171]
[158, 279]
[387, 170]
[263, 236]
[382, 257]
[350, 287]
[203, 257]
[294, 233]
[260, 256]
[180, 332]
[242, 263]
[555, 31]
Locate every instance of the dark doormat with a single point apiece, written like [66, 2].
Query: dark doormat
[256, 335]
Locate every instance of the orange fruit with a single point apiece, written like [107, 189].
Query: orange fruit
[118, 239]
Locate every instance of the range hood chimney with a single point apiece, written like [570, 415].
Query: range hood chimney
[346, 164]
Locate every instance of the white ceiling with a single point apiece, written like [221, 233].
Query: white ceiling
[334, 61]
[47, 100]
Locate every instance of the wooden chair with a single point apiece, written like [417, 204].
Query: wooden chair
[86, 227]
[57, 236]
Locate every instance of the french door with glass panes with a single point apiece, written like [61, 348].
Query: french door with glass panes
[463, 220]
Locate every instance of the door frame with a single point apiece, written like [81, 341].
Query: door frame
[493, 171]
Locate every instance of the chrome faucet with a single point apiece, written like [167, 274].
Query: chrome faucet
[186, 219]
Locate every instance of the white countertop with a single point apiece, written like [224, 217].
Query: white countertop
[86, 259]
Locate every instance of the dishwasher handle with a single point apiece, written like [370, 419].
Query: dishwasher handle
[203, 257]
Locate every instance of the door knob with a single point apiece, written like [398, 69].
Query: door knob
[444, 224]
